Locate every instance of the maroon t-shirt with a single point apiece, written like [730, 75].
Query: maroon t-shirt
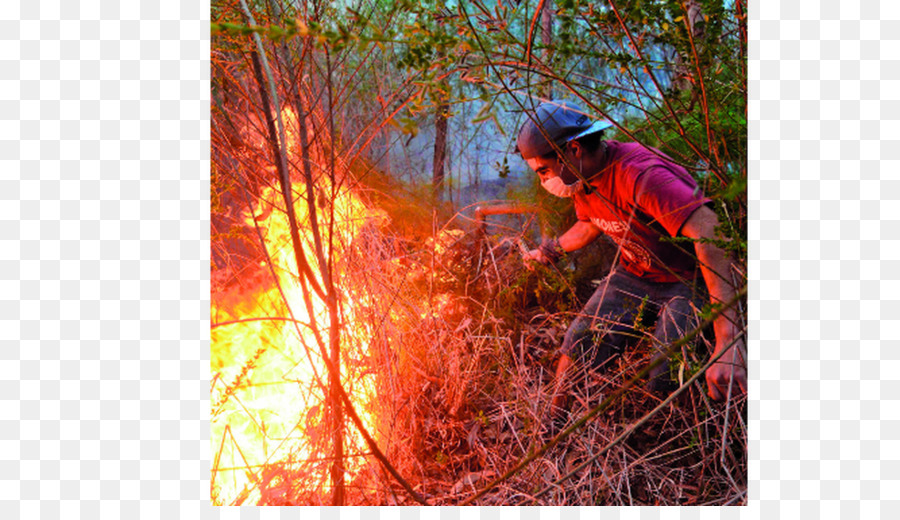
[639, 196]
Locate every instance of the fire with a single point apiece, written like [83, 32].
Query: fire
[268, 417]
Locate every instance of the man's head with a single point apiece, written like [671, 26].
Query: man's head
[564, 125]
[557, 122]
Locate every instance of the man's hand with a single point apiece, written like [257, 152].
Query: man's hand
[549, 252]
[730, 367]
[535, 255]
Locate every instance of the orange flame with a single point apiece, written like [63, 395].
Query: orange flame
[269, 382]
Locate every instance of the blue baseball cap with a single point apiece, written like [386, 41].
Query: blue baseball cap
[561, 121]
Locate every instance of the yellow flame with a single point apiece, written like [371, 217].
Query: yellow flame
[267, 396]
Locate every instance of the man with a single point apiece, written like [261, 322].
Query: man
[636, 196]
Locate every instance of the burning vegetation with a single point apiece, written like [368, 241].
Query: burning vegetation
[371, 345]
[269, 380]
[446, 355]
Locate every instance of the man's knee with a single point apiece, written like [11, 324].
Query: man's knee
[599, 344]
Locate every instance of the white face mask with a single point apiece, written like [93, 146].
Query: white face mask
[557, 187]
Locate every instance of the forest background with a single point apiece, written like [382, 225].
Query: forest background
[375, 340]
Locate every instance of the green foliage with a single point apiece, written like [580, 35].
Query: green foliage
[502, 168]
[547, 288]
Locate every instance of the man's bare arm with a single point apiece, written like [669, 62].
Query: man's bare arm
[579, 235]
[715, 264]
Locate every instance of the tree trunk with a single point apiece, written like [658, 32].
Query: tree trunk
[441, 115]
[337, 411]
[685, 66]
[547, 39]
[335, 405]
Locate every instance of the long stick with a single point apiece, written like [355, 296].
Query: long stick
[278, 150]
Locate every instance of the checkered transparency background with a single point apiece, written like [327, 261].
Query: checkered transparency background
[104, 154]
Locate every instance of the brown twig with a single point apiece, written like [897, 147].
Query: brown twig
[606, 403]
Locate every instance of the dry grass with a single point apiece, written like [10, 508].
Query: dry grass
[461, 342]
[469, 389]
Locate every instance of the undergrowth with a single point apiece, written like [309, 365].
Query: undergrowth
[466, 371]
[462, 341]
